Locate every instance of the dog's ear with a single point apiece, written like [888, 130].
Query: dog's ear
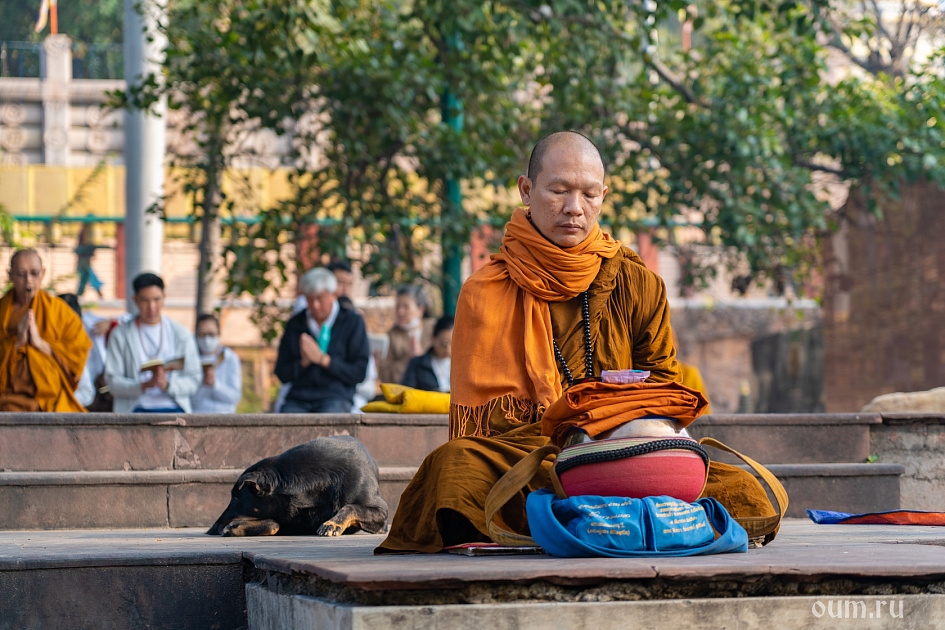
[257, 484]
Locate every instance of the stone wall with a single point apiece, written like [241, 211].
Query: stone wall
[918, 443]
[885, 299]
[718, 340]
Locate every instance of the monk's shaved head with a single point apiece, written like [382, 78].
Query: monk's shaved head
[568, 140]
[21, 254]
[564, 188]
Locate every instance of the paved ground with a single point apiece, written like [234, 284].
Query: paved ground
[801, 549]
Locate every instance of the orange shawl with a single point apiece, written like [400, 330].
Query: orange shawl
[598, 407]
[53, 377]
[503, 312]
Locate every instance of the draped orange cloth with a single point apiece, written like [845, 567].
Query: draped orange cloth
[599, 407]
[506, 302]
[31, 380]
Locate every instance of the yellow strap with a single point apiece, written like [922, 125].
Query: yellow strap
[507, 487]
[757, 525]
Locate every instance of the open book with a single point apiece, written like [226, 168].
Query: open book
[211, 361]
[170, 365]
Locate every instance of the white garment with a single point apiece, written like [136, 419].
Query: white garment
[123, 365]
[366, 390]
[155, 341]
[227, 387]
[441, 369]
[95, 363]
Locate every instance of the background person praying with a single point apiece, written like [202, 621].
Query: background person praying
[324, 350]
[43, 346]
[410, 335]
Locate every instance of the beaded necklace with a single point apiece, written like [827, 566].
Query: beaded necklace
[588, 349]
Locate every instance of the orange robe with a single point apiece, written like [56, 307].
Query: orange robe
[505, 374]
[31, 380]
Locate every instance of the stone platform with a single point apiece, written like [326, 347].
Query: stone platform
[812, 576]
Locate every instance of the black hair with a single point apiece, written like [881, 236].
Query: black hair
[339, 265]
[444, 323]
[145, 280]
[537, 158]
[208, 317]
[73, 301]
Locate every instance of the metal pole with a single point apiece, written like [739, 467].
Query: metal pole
[144, 145]
[452, 214]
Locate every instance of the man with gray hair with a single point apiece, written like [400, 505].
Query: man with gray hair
[324, 351]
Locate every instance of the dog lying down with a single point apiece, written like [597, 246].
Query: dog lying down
[327, 487]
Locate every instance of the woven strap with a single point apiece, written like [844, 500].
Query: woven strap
[510, 485]
[757, 525]
[653, 446]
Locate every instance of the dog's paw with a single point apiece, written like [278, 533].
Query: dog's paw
[232, 530]
[330, 528]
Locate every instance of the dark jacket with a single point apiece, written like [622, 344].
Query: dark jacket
[349, 351]
[420, 374]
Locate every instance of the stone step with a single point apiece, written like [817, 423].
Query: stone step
[195, 498]
[790, 438]
[123, 499]
[103, 441]
[852, 488]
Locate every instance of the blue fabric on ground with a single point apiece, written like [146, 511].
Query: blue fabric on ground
[890, 517]
[620, 527]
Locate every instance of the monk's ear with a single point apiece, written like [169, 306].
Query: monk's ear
[525, 190]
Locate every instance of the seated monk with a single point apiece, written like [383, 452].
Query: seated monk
[43, 346]
[561, 301]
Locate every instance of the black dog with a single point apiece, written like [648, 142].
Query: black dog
[327, 487]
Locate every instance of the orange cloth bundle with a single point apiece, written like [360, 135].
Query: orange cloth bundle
[596, 407]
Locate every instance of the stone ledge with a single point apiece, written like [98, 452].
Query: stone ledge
[216, 420]
[152, 477]
[819, 419]
[834, 470]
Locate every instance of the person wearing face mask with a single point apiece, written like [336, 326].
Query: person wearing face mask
[222, 385]
[410, 336]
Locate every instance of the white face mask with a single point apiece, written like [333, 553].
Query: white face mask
[208, 344]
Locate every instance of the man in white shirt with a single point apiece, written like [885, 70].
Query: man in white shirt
[152, 340]
[222, 385]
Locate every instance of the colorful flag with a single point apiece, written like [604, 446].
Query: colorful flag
[46, 10]
[43, 14]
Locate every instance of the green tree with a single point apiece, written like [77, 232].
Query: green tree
[726, 136]
[232, 67]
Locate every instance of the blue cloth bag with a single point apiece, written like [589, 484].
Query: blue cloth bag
[620, 527]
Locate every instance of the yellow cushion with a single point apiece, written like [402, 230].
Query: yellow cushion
[419, 401]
